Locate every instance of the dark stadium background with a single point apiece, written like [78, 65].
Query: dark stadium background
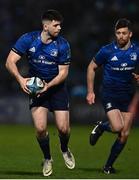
[88, 25]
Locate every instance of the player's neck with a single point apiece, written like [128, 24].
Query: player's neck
[45, 37]
[126, 46]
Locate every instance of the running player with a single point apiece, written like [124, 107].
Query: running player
[119, 60]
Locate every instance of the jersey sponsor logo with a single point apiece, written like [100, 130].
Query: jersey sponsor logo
[114, 58]
[133, 56]
[108, 105]
[43, 61]
[54, 52]
[32, 49]
[122, 68]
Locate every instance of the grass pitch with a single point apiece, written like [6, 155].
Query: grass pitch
[20, 156]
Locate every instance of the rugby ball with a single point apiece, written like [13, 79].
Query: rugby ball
[35, 84]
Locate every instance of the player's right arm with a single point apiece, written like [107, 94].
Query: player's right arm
[99, 59]
[11, 65]
[90, 82]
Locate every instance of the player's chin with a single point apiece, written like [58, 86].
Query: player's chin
[122, 43]
[56, 34]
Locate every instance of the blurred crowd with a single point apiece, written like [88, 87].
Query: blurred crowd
[88, 24]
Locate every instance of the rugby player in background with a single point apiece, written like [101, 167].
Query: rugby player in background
[119, 60]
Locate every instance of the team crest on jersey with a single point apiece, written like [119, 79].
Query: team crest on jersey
[54, 52]
[133, 56]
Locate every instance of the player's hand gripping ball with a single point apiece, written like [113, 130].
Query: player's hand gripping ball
[35, 84]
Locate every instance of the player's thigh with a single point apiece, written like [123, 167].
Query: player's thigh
[116, 120]
[62, 120]
[39, 115]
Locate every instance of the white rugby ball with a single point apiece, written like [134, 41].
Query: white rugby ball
[35, 84]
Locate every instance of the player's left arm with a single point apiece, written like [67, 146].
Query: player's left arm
[62, 75]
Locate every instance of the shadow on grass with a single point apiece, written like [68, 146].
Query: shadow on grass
[20, 173]
[87, 169]
[97, 170]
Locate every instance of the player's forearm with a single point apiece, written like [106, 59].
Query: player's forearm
[90, 79]
[58, 79]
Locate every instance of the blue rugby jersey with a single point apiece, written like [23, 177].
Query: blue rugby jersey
[43, 58]
[118, 67]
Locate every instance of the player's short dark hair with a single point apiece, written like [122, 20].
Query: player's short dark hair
[52, 14]
[122, 23]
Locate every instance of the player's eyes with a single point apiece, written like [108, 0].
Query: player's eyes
[118, 33]
[121, 33]
[56, 25]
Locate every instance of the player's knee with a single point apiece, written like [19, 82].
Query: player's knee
[117, 128]
[41, 131]
[63, 130]
[124, 136]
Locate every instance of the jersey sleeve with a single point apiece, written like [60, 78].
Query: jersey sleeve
[65, 54]
[22, 44]
[100, 57]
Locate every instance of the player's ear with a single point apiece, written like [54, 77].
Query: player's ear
[45, 27]
[131, 34]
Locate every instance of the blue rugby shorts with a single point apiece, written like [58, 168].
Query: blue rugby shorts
[122, 104]
[56, 98]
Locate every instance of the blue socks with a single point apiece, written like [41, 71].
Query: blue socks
[115, 151]
[64, 139]
[44, 145]
[106, 126]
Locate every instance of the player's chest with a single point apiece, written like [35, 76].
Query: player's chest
[123, 59]
[43, 51]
